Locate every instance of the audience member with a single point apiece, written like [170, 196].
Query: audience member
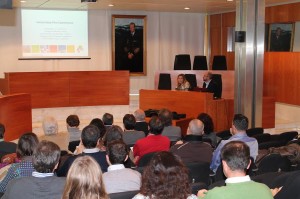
[239, 127]
[118, 178]
[42, 184]
[89, 140]
[73, 128]
[141, 124]
[100, 125]
[165, 177]
[108, 120]
[182, 83]
[50, 128]
[236, 160]
[172, 132]
[114, 133]
[130, 136]
[5, 147]
[192, 149]
[153, 142]
[84, 180]
[209, 129]
[25, 148]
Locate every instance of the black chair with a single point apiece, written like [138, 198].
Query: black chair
[164, 82]
[123, 195]
[182, 62]
[219, 62]
[72, 145]
[200, 63]
[285, 137]
[254, 131]
[191, 78]
[273, 163]
[198, 186]
[217, 78]
[261, 138]
[199, 172]
[224, 135]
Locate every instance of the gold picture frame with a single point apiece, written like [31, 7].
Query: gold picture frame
[129, 44]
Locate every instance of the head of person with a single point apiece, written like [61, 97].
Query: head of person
[129, 121]
[139, 115]
[26, 145]
[207, 76]
[90, 136]
[165, 177]
[132, 27]
[235, 158]
[195, 127]
[50, 126]
[207, 121]
[108, 119]
[278, 31]
[84, 180]
[113, 133]
[239, 124]
[46, 157]
[73, 121]
[100, 125]
[2, 131]
[166, 117]
[181, 79]
[117, 152]
[156, 126]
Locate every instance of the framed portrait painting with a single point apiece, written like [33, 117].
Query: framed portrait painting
[281, 37]
[129, 43]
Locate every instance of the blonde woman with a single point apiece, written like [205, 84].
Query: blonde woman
[182, 83]
[84, 180]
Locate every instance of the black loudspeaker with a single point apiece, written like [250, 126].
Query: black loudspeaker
[5, 4]
[240, 36]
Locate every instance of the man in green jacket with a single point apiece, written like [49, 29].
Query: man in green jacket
[236, 160]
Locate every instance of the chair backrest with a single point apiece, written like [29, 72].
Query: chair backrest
[145, 159]
[199, 172]
[164, 82]
[217, 78]
[123, 195]
[72, 145]
[287, 136]
[273, 163]
[200, 63]
[261, 138]
[224, 135]
[191, 78]
[254, 131]
[182, 62]
[219, 62]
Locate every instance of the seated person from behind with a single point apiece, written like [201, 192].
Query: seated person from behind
[154, 142]
[208, 84]
[42, 184]
[73, 127]
[118, 178]
[5, 147]
[238, 131]
[141, 124]
[236, 160]
[182, 83]
[172, 132]
[108, 120]
[130, 136]
[50, 128]
[192, 149]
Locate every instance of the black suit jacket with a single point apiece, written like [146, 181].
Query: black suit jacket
[212, 88]
[7, 148]
[142, 126]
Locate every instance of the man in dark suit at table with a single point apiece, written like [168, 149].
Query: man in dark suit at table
[5, 147]
[209, 85]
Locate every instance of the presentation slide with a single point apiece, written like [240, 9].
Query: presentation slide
[54, 33]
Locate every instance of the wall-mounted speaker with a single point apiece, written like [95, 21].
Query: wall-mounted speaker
[240, 36]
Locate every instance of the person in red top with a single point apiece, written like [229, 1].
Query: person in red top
[153, 142]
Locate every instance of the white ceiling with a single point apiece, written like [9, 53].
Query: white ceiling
[197, 6]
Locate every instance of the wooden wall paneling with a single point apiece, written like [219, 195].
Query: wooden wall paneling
[268, 112]
[47, 89]
[15, 114]
[4, 86]
[215, 37]
[277, 14]
[99, 88]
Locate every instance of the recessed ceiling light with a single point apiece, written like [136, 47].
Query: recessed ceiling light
[23, 1]
[111, 5]
[187, 8]
[229, 0]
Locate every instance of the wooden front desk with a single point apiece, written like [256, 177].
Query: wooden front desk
[15, 115]
[63, 89]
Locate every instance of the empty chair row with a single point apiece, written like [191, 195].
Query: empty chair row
[183, 62]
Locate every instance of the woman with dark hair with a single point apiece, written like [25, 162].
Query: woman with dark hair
[208, 129]
[165, 177]
[114, 133]
[182, 83]
[84, 180]
[26, 145]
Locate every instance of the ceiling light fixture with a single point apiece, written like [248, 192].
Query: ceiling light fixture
[187, 8]
[111, 5]
[23, 1]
